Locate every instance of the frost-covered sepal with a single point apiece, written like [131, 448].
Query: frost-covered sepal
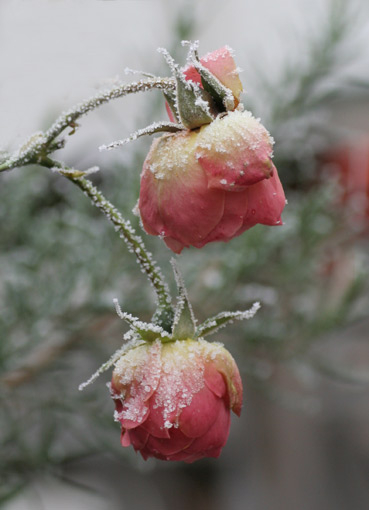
[146, 331]
[222, 95]
[156, 127]
[184, 324]
[193, 105]
[221, 320]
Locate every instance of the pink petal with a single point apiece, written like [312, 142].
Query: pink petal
[214, 380]
[221, 63]
[265, 202]
[155, 425]
[189, 209]
[216, 437]
[134, 413]
[198, 417]
[232, 220]
[139, 438]
[235, 151]
[174, 245]
[228, 367]
[179, 205]
[176, 443]
[124, 438]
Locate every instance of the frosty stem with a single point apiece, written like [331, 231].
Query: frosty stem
[39, 146]
[43, 144]
[164, 312]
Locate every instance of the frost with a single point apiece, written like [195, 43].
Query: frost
[136, 210]
[128, 70]
[204, 105]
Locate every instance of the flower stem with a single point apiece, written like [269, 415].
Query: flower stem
[68, 118]
[164, 313]
[42, 144]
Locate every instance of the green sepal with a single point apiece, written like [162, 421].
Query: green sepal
[221, 320]
[184, 324]
[222, 96]
[147, 331]
[194, 104]
[171, 99]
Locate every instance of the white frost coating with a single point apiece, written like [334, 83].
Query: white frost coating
[136, 210]
[181, 378]
[234, 132]
[204, 105]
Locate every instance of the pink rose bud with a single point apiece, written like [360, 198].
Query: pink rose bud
[173, 400]
[222, 65]
[210, 184]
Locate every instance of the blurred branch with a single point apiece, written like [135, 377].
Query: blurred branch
[45, 356]
[164, 312]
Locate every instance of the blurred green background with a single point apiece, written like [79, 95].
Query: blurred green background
[302, 442]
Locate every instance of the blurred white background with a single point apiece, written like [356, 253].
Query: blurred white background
[54, 53]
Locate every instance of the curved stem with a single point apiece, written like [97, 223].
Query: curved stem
[41, 144]
[164, 313]
[68, 118]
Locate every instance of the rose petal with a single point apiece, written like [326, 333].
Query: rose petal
[138, 437]
[265, 202]
[214, 380]
[125, 439]
[235, 151]
[134, 413]
[198, 417]
[174, 444]
[178, 204]
[216, 437]
[232, 220]
[220, 63]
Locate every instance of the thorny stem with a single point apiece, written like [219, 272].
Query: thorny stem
[43, 144]
[164, 313]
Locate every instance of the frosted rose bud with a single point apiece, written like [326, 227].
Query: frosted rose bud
[210, 184]
[173, 400]
[222, 65]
